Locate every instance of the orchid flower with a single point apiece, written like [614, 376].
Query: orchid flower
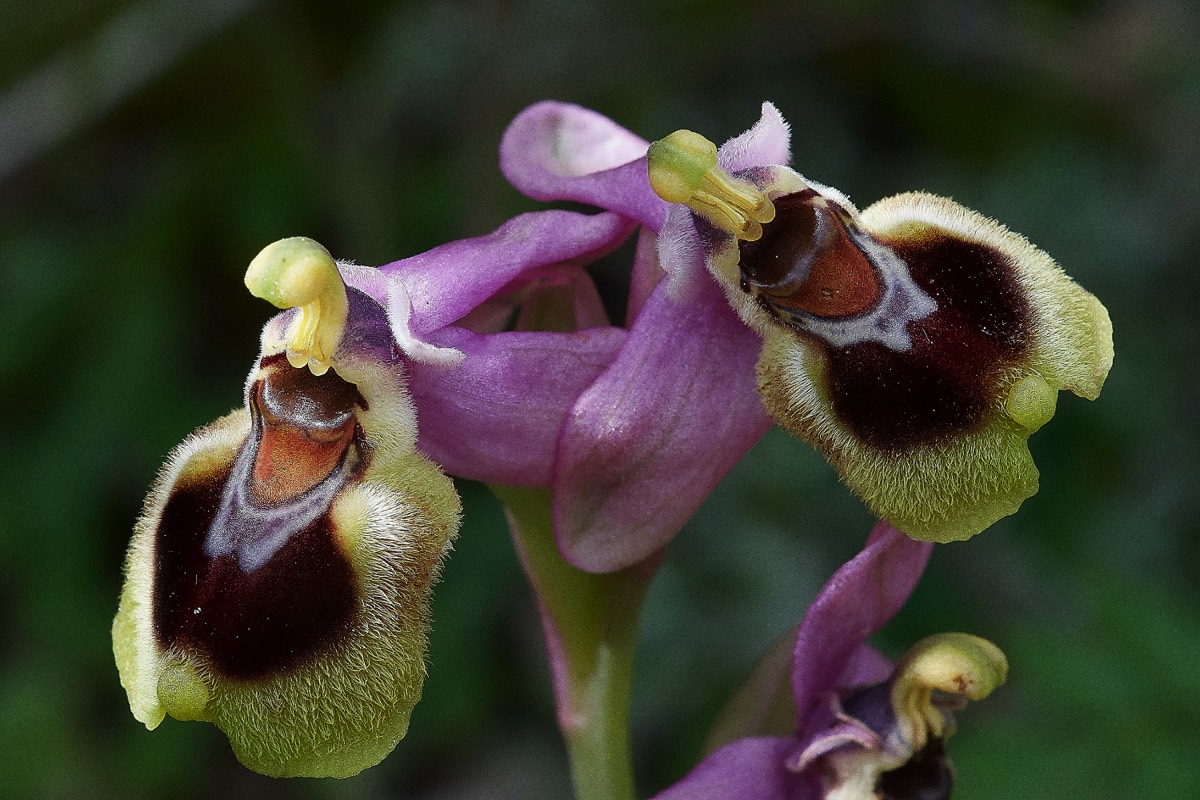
[860, 729]
[363, 355]
[632, 425]
[917, 344]
[278, 580]
[600, 440]
[650, 438]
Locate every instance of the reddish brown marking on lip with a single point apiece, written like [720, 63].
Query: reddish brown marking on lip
[290, 461]
[301, 598]
[307, 424]
[807, 261]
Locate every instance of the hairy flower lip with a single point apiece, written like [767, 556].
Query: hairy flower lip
[320, 681]
[922, 403]
[253, 532]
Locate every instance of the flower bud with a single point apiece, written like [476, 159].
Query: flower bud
[890, 738]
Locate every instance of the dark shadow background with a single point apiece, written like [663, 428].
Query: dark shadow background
[149, 149]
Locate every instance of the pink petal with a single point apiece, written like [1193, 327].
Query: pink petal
[748, 769]
[849, 733]
[855, 603]
[496, 418]
[560, 151]
[657, 431]
[399, 313]
[680, 256]
[767, 142]
[646, 274]
[866, 667]
[447, 282]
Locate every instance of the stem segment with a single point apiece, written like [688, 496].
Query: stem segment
[590, 624]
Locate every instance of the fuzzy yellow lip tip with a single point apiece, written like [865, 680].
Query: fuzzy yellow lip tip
[300, 273]
[1031, 402]
[683, 169]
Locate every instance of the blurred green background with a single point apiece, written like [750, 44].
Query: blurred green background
[149, 149]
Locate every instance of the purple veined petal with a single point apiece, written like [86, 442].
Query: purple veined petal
[656, 432]
[867, 666]
[833, 737]
[679, 255]
[396, 308]
[399, 316]
[496, 418]
[564, 299]
[559, 151]
[444, 284]
[767, 142]
[748, 769]
[855, 603]
[646, 274]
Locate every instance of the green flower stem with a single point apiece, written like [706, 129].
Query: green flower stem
[590, 622]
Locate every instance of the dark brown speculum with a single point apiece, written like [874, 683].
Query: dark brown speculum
[951, 380]
[946, 377]
[248, 570]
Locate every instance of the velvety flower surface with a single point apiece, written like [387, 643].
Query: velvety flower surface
[631, 426]
[278, 581]
[917, 344]
[862, 729]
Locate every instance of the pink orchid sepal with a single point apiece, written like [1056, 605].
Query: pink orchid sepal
[631, 427]
[655, 433]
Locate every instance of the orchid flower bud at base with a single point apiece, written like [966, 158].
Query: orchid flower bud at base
[278, 580]
[890, 740]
